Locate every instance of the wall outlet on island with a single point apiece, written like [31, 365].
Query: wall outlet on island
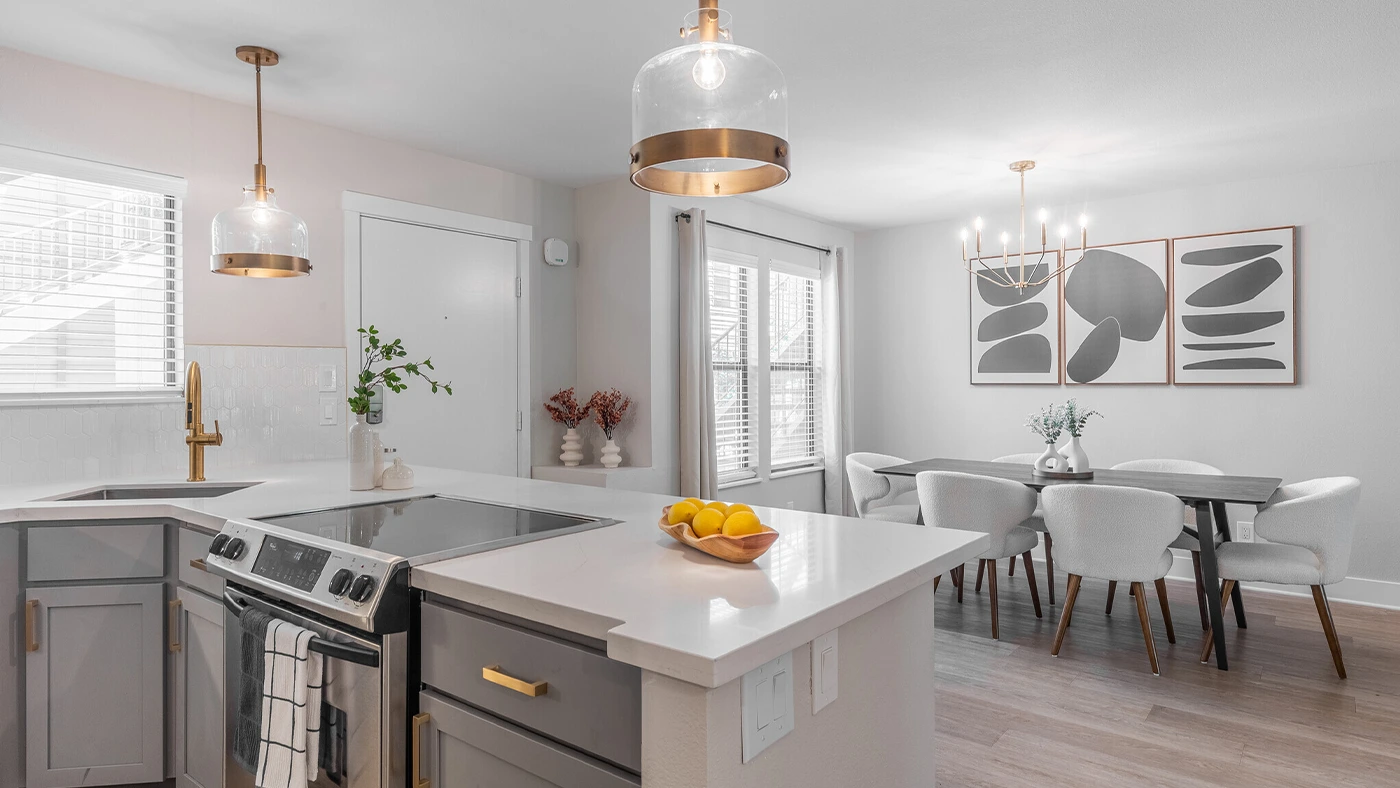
[1244, 531]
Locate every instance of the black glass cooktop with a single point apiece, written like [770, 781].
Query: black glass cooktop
[432, 525]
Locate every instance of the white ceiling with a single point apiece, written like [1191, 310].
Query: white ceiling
[901, 110]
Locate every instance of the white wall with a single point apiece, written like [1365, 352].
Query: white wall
[913, 398]
[51, 106]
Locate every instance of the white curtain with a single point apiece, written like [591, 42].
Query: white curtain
[698, 463]
[836, 379]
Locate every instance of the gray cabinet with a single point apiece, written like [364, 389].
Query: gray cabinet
[199, 691]
[94, 685]
[461, 747]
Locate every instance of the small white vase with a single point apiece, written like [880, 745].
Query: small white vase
[1075, 457]
[1051, 460]
[573, 448]
[612, 455]
[362, 441]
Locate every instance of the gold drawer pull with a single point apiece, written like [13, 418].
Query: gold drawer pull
[31, 625]
[174, 624]
[417, 780]
[534, 689]
[198, 563]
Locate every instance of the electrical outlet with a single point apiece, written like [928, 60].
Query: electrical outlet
[1244, 531]
[792, 504]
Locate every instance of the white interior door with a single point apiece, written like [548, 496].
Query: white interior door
[449, 295]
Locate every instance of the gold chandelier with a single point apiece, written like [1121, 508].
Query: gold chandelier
[1001, 277]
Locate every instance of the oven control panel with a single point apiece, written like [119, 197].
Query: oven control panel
[329, 574]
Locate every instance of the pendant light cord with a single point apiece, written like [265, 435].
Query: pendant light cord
[258, 67]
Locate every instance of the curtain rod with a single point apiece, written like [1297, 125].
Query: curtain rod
[822, 249]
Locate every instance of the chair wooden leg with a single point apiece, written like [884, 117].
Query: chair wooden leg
[1166, 609]
[935, 582]
[1011, 567]
[981, 570]
[992, 589]
[1049, 569]
[1030, 580]
[1324, 612]
[1071, 592]
[962, 577]
[1112, 586]
[1200, 590]
[1225, 588]
[1141, 597]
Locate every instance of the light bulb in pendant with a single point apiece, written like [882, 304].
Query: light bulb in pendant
[708, 72]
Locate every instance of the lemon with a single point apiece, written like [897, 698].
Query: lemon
[720, 505]
[699, 504]
[742, 524]
[682, 512]
[739, 507]
[707, 522]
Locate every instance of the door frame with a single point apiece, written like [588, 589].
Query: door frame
[357, 206]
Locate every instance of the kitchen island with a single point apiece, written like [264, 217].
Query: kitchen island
[692, 626]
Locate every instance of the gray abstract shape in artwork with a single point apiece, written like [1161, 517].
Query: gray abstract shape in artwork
[1108, 284]
[1238, 286]
[1011, 321]
[1230, 323]
[1225, 345]
[1096, 353]
[1237, 363]
[996, 295]
[1228, 255]
[1026, 353]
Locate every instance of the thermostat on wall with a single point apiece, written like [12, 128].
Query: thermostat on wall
[556, 252]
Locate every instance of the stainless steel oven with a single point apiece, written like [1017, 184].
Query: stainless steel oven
[365, 697]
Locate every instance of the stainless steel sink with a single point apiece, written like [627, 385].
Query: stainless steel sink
[155, 492]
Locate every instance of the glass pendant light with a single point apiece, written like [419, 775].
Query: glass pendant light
[257, 238]
[709, 117]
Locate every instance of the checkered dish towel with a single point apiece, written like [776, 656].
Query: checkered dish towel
[288, 755]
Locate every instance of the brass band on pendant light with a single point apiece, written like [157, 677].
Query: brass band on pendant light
[709, 117]
[258, 239]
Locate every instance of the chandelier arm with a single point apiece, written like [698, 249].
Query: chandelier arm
[1005, 280]
[1036, 267]
[1061, 272]
[980, 275]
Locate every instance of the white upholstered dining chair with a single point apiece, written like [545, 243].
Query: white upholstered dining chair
[1308, 528]
[1036, 522]
[1119, 534]
[992, 506]
[877, 496]
[1184, 540]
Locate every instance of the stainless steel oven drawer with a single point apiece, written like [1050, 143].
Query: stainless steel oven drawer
[569, 693]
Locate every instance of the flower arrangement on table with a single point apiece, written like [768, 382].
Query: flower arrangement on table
[1052, 421]
[1074, 419]
[564, 409]
[609, 407]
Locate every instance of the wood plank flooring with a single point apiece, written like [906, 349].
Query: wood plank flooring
[1009, 714]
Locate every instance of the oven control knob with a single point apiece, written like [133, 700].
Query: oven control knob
[216, 547]
[340, 582]
[234, 549]
[361, 590]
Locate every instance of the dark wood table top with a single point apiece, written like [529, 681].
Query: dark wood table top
[1189, 487]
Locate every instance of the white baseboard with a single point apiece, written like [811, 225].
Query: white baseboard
[1353, 590]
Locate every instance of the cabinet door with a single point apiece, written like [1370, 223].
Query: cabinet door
[94, 688]
[199, 691]
[460, 747]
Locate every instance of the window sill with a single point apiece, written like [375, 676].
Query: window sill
[89, 399]
[772, 476]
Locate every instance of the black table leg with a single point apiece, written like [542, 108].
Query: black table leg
[1225, 534]
[1212, 580]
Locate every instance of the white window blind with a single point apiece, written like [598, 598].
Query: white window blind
[794, 388]
[90, 278]
[732, 287]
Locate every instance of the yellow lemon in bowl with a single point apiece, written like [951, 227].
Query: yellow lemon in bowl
[682, 512]
[707, 522]
[720, 506]
[742, 524]
[699, 504]
[740, 507]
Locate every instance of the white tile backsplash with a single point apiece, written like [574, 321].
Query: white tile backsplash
[267, 401]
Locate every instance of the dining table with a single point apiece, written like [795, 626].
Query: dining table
[1206, 494]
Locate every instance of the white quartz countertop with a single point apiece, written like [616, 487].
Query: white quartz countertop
[657, 604]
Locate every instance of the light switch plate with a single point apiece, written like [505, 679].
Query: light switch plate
[824, 672]
[765, 707]
[325, 378]
[329, 407]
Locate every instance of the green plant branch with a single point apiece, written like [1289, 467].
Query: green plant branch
[378, 351]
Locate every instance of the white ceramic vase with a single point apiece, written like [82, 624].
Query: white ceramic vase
[612, 455]
[1074, 456]
[572, 449]
[362, 443]
[1051, 460]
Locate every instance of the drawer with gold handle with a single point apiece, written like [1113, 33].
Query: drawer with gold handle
[31, 625]
[417, 780]
[533, 689]
[198, 563]
[173, 625]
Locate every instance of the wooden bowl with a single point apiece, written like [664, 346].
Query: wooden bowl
[734, 549]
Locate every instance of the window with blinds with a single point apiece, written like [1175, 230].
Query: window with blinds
[765, 346]
[90, 279]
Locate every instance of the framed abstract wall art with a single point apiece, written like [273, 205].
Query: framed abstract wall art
[1015, 334]
[1116, 323]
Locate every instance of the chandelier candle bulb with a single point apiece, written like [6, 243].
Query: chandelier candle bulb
[1036, 271]
[964, 244]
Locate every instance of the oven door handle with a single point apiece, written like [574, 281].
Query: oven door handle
[346, 651]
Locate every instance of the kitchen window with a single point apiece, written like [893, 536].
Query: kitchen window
[765, 343]
[90, 280]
